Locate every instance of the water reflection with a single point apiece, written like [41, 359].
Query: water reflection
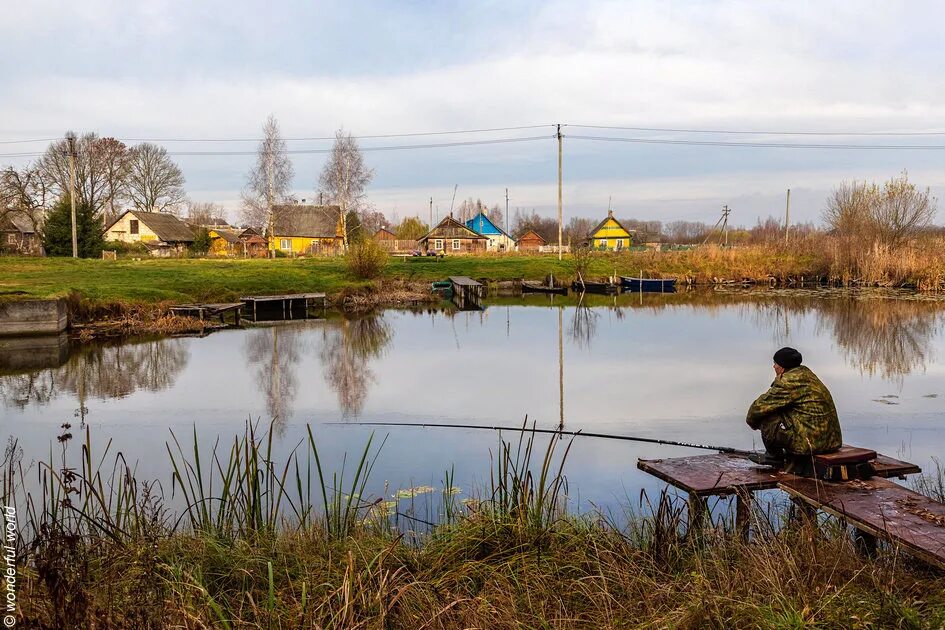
[347, 348]
[100, 371]
[275, 353]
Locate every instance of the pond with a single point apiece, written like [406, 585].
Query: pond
[678, 366]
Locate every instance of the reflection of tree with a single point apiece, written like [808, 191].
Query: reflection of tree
[891, 337]
[347, 348]
[276, 352]
[101, 371]
[583, 325]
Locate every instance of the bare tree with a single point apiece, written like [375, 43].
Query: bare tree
[204, 212]
[270, 179]
[116, 164]
[92, 187]
[344, 177]
[25, 192]
[155, 182]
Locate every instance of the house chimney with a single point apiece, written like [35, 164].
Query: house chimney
[610, 213]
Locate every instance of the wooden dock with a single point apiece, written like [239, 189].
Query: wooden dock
[288, 304]
[467, 293]
[876, 508]
[207, 311]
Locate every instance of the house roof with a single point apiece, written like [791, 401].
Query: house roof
[16, 221]
[306, 221]
[166, 226]
[531, 235]
[484, 225]
[230, 236]
[450, 228]
[385, 234]
[610, 217]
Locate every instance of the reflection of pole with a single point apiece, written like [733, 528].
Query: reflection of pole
[274, 393]
[560, 370]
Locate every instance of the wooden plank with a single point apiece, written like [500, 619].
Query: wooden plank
[888, 467]
[881, 508]
[464, 281]
[707, 475]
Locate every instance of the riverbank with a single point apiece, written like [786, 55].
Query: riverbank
[131, 296]
[258, 549]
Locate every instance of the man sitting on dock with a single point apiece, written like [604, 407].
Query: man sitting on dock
[796, 416]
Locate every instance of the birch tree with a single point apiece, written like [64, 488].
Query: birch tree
[345, 177]
[155, 182]
[269, 181]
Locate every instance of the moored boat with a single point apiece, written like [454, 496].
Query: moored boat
[534, 287]
[657, 285]
[583, 286]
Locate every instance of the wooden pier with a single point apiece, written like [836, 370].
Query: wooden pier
[288, 304]
[877, 508]
[207, 311]
[467, 293]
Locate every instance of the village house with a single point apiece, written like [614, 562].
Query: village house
[162, 233]
[389, 242]
[246, 243]
[610, 235]
[498, 241]
[530, 241]
[299, 229]
[18, 235]
[452, 237]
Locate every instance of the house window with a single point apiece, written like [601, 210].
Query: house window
[619, 243]
[438, 244]
[455, 243]
[285, 243]
[11, 238]
[133, 226]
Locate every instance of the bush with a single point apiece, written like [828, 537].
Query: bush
[201, 244]
[57, 236]
[367, 259]
[125, 248]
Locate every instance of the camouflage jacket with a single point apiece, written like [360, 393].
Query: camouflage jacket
[803, 405]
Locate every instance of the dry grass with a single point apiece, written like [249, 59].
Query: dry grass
[106, 554]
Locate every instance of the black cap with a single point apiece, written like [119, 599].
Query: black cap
[788, 358]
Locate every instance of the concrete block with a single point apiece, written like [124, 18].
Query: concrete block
[33, 317]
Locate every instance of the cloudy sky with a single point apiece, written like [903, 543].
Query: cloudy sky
[212, 71]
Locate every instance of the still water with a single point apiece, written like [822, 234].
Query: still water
[681, 367]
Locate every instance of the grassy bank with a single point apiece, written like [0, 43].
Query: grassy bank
[287, 544]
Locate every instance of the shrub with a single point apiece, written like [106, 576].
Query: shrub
[367, 259]
[201, 244]
[57, 236]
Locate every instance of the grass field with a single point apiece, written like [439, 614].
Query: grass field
[184, 280]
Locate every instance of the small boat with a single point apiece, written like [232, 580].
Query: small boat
[653, 285]
[534, 287]
[593, 287]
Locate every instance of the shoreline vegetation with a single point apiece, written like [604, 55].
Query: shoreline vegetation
[256, 542]
[131, 296]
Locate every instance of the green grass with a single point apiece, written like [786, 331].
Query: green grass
[185, 280]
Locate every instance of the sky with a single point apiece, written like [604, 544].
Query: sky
[171, 71]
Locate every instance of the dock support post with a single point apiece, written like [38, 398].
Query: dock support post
[239, 312]
[866, 543]
[743, 514]
[697, 514]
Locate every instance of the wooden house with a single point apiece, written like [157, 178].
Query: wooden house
[18, 235]
[162, 233]
[530, 241]
[389, 241]
[306, 229]
[498, 240]
[610, 235]
[452, 237]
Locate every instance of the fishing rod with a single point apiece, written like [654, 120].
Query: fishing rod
[525, 429]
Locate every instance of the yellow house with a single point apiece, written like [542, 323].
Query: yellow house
[306, 229]
[157, 230]
[609, 234]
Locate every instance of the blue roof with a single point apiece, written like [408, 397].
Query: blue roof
[481, 223]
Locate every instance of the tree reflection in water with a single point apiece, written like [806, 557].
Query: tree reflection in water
[276, 352]
[347, 347]
[583, 324]
[101, 371]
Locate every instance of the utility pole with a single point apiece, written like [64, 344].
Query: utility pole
[507, 211]
[559, 192]
[725, 213]
[787, 216]
[431, 213]
[70, 139]
[269, 222]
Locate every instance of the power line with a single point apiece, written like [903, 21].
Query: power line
[402, 147]
[307, 139]
[766, 145]
[767, 132]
